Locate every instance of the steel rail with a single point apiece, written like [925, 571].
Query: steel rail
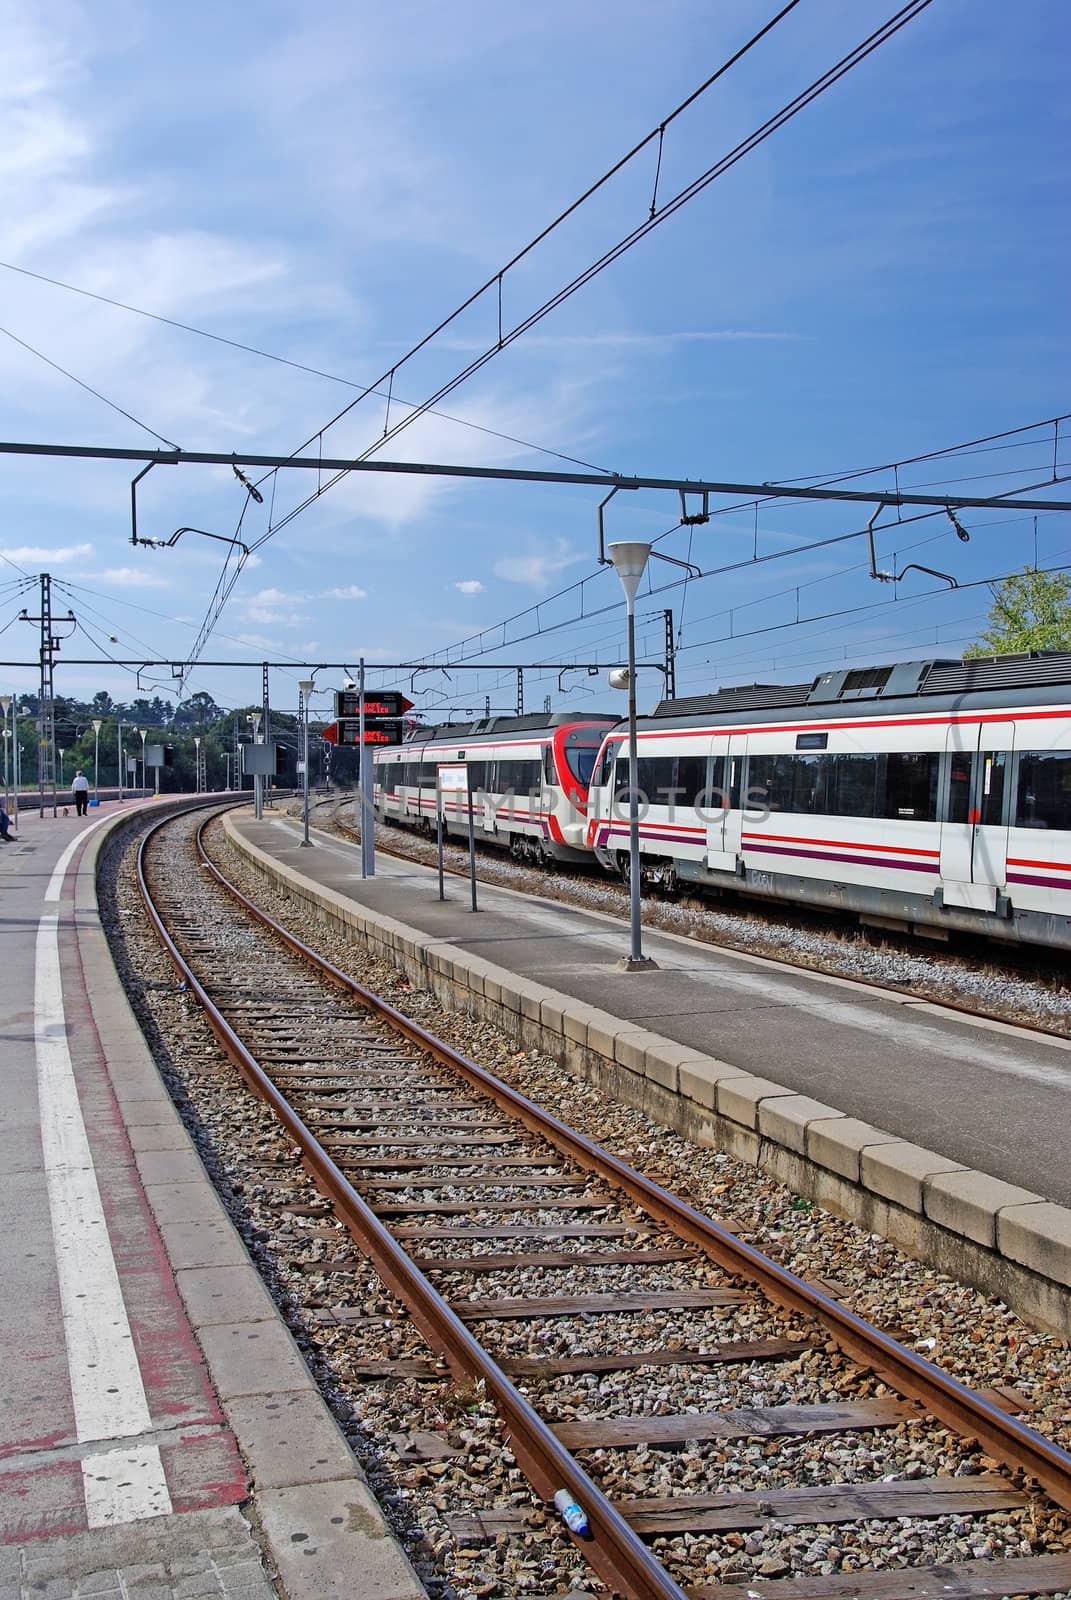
[1006, 1438]
[616, 1553]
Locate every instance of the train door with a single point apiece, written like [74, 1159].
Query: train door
[974, 834]
[724, 821]
[489, 806]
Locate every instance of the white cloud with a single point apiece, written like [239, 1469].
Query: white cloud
[470, 586]
[133, 578]
[350, 592]
[539, 569]
[44, 555]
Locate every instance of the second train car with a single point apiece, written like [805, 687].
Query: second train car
[526, 777]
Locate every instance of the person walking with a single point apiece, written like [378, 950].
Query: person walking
[5, 825]
[80, 790]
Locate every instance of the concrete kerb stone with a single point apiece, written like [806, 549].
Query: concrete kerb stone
[786, 1118]
[898, 1171]
[837, 1143]
[968, 1203]
[631, 1051]
[739, 1097]
[1037, 1236]
[700, 1076]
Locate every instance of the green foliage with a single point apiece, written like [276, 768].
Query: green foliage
[1030, 611]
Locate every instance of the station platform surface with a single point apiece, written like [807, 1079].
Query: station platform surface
[139, 1455]
[992, 1098]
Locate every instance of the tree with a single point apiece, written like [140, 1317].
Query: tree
[1031, 611]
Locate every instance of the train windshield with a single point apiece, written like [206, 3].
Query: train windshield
[582, 762]
[581, 751]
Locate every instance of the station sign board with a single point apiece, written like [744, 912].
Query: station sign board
[377, 703]
[377, 730]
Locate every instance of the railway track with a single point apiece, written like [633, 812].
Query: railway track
[468, 1199]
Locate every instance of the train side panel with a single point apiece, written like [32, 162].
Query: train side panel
[933, 822]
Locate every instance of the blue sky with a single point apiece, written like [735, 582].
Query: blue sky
[884, 277]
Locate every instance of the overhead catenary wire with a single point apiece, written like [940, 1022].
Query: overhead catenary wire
[579, 585]
[791, 109]
[88, 387]
[300, 366]
[892, 26]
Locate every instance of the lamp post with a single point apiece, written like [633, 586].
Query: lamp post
[96, 759]
[630, 560]
[142, 732]
[119, 753]
[5, 707]
[306, 687]
[62, 753]
[197, 762]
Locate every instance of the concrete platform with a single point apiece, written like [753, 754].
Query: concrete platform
[141, 1448]
[947, 1134]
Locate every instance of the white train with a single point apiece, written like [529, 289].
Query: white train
[527, 779]
[931, 795]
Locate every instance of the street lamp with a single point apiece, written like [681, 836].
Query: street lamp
[96, 759]
[630, 560]
[62, 753]
[197, 762]
[306, 687]
[142, 732]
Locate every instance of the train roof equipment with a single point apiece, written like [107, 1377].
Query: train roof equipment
[946, 682]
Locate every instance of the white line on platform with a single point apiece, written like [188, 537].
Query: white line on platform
[55, 883]
[106, 1385]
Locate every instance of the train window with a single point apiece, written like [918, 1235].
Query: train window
[606, 767]
[516, 776]
[910, 787]
[691, 778]
[810, 783]
[550, 777]
[769, 780]
[477, 775]
[790, 783]
[658, 779]
[1044, 794]
[994, 782]
[428, 775]
[853, 785]
[736, 781]
[959, 787]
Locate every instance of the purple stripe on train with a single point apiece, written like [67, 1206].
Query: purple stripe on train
[829, 855]
[1040, 883]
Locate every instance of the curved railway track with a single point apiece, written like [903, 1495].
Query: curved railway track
[450, 1181]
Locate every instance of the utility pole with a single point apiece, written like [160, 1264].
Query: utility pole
[671, 657]
[520, 691]
[46, 708]
[266, 711]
